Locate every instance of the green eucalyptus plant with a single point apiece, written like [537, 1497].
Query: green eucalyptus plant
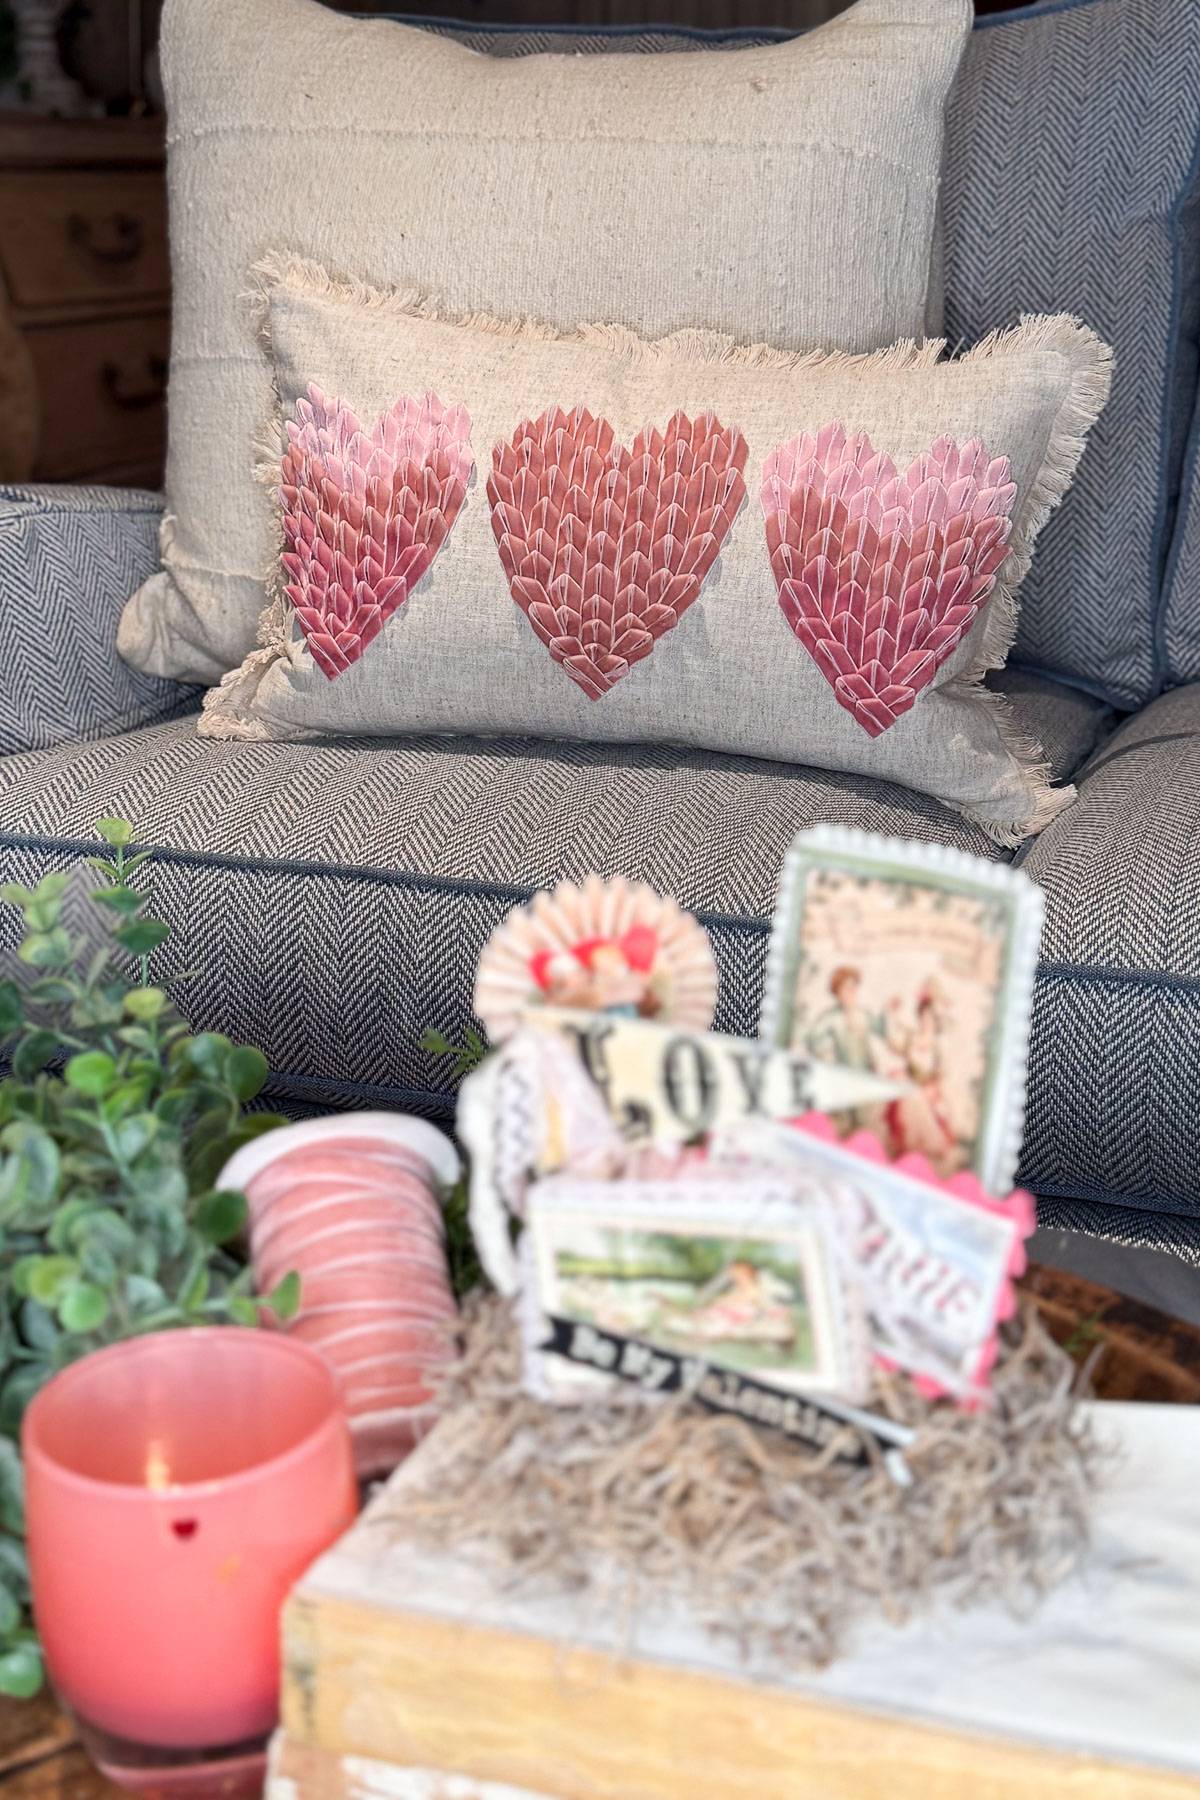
[115, 1121]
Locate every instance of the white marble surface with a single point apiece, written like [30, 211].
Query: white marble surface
[1110, 1663]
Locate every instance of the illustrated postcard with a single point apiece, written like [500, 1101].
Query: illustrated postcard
[738, 1278]
[914, 963]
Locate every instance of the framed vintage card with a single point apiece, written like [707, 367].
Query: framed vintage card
[737, 1276]
[914, 962]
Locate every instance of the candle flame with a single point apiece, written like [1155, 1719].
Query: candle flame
[158, 1469]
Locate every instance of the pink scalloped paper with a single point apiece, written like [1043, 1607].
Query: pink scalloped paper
[1018, 1206]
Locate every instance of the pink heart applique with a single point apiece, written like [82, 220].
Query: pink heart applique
[606, 548]
[881, 575]
[365, 513]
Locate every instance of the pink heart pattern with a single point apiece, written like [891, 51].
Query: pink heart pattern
[606, 548]
[365, 513]
[881, 575]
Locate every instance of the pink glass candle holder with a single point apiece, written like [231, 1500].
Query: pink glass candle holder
[351, 1204]
[177, 1485]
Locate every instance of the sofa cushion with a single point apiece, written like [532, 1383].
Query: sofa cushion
[1073, 181]
[1115, 1056]
[335, 897]
[68, 557]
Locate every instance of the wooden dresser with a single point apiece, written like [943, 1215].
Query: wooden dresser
[86, 294]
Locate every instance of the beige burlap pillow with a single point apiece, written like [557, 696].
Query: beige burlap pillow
[492, 527]
[784, 193]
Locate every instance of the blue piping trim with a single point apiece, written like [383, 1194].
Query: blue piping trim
[1098, 975]
[1176, 1206]
[778, 34]
[284, 1084]
[510, 893]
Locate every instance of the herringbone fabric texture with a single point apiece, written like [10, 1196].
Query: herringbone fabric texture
[1181, 599]
[1071, 183]
[335, 898]
[1115, 1055]
[68, 557]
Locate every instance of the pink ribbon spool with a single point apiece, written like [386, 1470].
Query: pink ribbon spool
[350, 1202]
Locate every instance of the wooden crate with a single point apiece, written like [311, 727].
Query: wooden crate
[410, 1675]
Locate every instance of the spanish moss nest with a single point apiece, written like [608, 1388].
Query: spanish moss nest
[658, 1501]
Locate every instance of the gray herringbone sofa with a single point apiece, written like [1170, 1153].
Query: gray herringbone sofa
[335, 897]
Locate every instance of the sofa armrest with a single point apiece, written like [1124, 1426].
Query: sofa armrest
[69, 559]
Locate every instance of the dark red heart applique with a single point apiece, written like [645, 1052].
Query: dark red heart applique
[605, 548]
[881, 575]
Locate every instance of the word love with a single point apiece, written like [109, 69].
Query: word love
[664, 1085]
[824, 1425]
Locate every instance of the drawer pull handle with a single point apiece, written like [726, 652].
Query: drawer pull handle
[128, 238]
[135, 399]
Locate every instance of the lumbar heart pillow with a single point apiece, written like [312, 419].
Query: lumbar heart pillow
[491, 526]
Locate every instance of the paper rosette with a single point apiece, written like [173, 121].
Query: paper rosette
[607, 946]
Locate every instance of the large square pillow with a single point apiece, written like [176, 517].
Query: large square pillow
[785, 194]
[499, 528]
[1073, 182]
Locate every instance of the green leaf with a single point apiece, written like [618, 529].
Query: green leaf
[127, 1097]
[33, 1053]
[134, 863]
[106, 868]
[133, 1135]
[173, 1105]
[207, 1053]
[141, 936]
[96, 1011]
[143, 1294]
[38, 1327]
[21, 1672]
[51, 949]
[114, 831]
[11, 1009]
[207, 1160]
[83, 1307]
[220, 1216]
[246, 1071]
[119, 900]
[14, 1566]
[16, 1393]
[10, 1611]
[12, 1490]
[146, 1003]
[15, 894]
[19, 1274]
[244, 1312]
[50, 1276]
[193, 1290]
[31, 1175]
[92, 1073]
[284, 1300]
[54, 990]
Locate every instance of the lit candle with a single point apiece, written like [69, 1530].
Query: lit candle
[177, 1485]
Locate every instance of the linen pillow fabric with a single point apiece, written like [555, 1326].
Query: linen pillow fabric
[786, 193]
[1073, 181]
[494, 527]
